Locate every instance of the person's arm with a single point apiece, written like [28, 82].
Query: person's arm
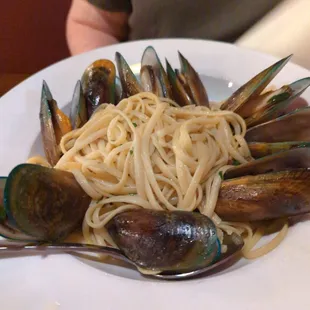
[89, 27]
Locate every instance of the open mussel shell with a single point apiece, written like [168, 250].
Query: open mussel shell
[129, 82]
[119, 94]
[178, 86]
[45, 203]
[268, 106]
[61, 122]
[98, 83]
[296, 104]
[152, 74]
[294, 126]
[261, 149]
[166, 241]
[291, 159]
[253, 87]
[78, 115]
[265, 196]
[48, 135]
[196, 89]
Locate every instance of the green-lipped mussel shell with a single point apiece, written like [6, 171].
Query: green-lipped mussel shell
[296, 104]
[265, 196]
[180, 95]
[294, 126]
[79, 114]
[269, 105]
[129, 82]
[254, 87]
[45, 203]
[119, 94]
[166, 241]
[6, 230]
[261, 149]
[196, 88]
[98, 83]
[234, 244]
[291, 159]
[51, 150]
[152, 74]
[61, 123]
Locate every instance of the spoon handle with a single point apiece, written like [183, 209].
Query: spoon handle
[60, 248]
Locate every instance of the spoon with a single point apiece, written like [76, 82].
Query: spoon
[226, 259]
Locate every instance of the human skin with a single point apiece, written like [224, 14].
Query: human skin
[89, 27]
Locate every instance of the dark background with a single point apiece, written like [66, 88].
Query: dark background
[32, 34]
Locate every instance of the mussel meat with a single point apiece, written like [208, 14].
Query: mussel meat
[98, 82]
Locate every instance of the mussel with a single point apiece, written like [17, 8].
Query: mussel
[253, 87]
[261, 149]
[54, 124]
[129, 82]
[179, 93]
[163, 240]
[184, 86]
[193, 83]
[265, 196]
[98, 83]
[6, 229]
[45, 203]
[152, 74]
[294, 126]
[285, 160]
[269, 105]
[78, 114]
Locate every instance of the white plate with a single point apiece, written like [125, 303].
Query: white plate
[280, 280]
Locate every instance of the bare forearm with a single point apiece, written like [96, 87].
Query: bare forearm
[89, 28]
[82, 38]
